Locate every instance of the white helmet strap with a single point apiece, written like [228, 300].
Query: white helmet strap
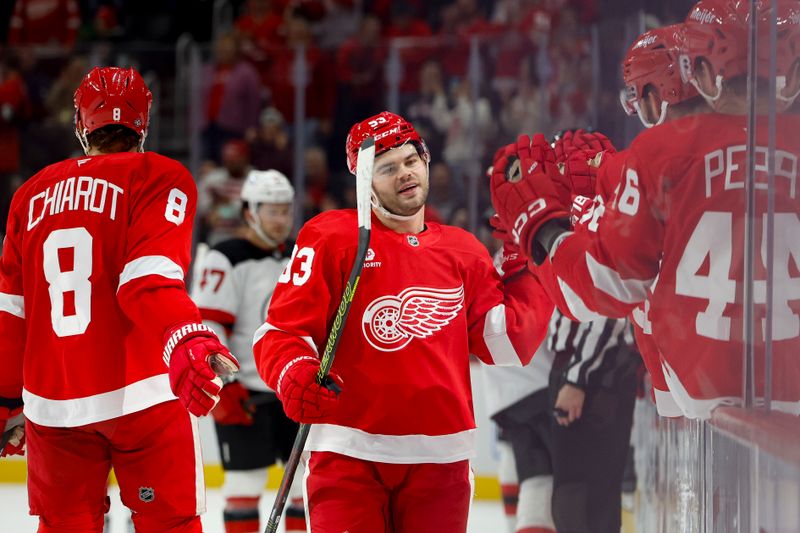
[710, 99]
[661, 117]
[255, 225]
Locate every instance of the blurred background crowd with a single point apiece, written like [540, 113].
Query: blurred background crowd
[241, 84]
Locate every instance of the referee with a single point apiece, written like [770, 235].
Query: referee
[593, 385]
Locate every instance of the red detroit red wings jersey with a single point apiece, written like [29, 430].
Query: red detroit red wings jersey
[609, 177]
[423, 304]
[679, 217]
[92, 276]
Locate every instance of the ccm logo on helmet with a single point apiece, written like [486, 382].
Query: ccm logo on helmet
[388, 132]
[522, 219]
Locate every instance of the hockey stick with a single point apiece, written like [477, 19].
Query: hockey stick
[366, 158]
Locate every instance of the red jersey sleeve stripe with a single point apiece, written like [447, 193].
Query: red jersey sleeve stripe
[148, 265]
[13, 304]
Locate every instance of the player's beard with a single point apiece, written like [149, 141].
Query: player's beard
[404, 206]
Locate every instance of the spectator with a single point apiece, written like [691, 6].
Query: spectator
[231, 95]
[429, 111]
[14, 109]
[219, 204]
[258, 28]
[470, 125]
[360, 64]
[444, 196]
[45, 23]
[270, 145]
[526, 107]
[318, 196]
[406, 23]
[320, 86]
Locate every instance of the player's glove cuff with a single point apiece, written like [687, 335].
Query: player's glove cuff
[546, 237]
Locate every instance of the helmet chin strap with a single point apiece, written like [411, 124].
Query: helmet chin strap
[256, 227]
[710, 99]
[780, 85]
[661, 118]
[388, 214]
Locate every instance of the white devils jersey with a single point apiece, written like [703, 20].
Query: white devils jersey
[233, 285]
[423, 304]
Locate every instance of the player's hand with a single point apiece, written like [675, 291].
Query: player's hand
[525, 195]
[590, 142]
[579, 155]
[196, 358]
[512, 262]
[304, 400]
[12, 428]
[569, 404]
[234, 407]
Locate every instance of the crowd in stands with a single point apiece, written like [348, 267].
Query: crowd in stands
[534, 59]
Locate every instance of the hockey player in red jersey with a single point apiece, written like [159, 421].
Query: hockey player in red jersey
[655, 92]
[393, 427]
[234, 282]
[679, 217]
[100, 337]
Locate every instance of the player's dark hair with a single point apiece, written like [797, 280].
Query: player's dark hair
[113, 139]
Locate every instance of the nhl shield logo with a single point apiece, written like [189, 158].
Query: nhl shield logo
[412, 240]
[147, 494]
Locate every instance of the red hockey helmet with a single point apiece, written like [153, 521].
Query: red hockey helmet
[389, 131]
[112, 95]
[653, 60]
[715, 32]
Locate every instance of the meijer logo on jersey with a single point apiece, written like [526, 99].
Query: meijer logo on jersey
[390, 322]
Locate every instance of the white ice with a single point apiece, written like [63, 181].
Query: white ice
[14, 517]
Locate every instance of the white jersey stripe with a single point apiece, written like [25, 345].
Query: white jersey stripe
[495, 335]
[267, 327]
[199, 471]
[609, 281]
[149, 265]
[396, 449]
[98, 407]
[13, 304]
[576, 305]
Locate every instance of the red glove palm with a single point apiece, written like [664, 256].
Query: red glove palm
[304, 400]
[579, 155]
[524, 192]
[581, 140]
[512, 261]
[195, 358]
[233, 407]
[12, 427]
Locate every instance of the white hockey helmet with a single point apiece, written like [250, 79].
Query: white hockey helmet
[267, 187]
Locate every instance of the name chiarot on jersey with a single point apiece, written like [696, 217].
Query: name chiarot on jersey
[82, 193]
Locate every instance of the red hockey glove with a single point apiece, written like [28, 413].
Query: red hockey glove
[526, 197]
[304, 400]
[233, 407]
[512, 262]
[581, 140]
[12, 427]
[195, 358]
[579, 155]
